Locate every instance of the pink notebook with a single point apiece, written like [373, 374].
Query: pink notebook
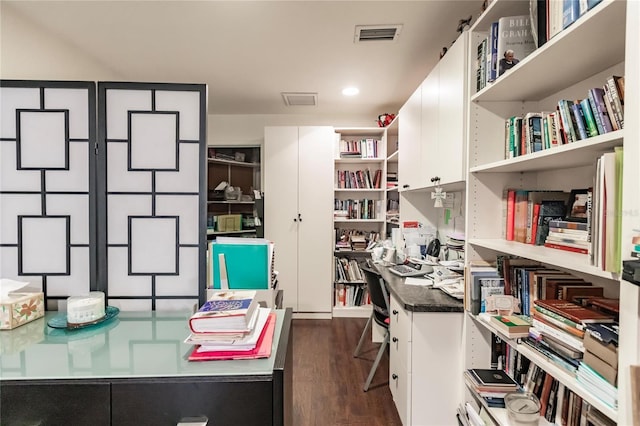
[262, 349]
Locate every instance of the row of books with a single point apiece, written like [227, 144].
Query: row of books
[347, 270]
[358, 208]
[231, 325]
[362, 148]
[348, 295]
[358, 179]
[354, 239]
[513, 38]
[558, 404]
[573, 120]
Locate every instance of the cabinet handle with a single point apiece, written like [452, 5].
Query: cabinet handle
[394, 340]
[405, 186]
[394, 376]
[299, 217]
[295, 220]
[395, 312]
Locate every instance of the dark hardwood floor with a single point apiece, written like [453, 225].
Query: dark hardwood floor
[328, 380]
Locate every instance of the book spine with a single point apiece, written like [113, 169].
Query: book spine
[589, 119]
[567, 122]
[596, 114]
[558, 323]
[578, 119]
[610, 108]
[601, 108]
[616, 101]
[566, 248]
[571, 341]
[568, 225]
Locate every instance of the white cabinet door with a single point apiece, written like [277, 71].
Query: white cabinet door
[400, 360]
[451, 117]
[315, 201]
[409, 140]
[281, 206]
[431, 162]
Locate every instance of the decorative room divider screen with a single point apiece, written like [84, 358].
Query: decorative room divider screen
[122, 212]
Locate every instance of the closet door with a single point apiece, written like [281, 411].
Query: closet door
[152, 184]
[281, 206]
[47, 228]
[315, 201]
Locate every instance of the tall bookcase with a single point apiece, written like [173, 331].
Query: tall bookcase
[240, 168]
[582, 56]
[364, 200]
[393, 196]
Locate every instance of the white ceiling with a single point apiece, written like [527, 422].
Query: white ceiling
[248, 52]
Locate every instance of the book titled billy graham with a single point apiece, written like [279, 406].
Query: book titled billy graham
[225, 311]
[514, 34]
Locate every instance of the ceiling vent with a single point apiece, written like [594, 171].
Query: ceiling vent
[300, 98]
[377, 32]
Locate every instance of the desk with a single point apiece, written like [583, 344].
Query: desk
[425, 358]
[133, 371]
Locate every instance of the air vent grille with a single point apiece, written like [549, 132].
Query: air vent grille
[377, 32]
[300, 98]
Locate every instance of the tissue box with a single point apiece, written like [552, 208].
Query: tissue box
[18, 309]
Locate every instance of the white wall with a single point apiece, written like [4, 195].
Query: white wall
[29, 53]
[226, 130]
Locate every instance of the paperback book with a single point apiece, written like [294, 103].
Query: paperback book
[228, 311]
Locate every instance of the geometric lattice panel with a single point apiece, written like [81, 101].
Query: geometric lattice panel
[151, 153]
[47, 201]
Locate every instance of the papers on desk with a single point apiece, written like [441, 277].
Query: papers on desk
[421, 281]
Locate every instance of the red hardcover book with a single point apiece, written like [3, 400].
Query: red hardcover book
[574, 312]
[511, 210]
[262, 349]
[534, 224]
[566, 248]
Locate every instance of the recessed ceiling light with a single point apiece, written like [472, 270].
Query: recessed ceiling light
[350, 91]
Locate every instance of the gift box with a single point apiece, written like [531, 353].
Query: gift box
[18, 304]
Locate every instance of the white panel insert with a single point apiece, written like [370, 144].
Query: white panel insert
[12, 98]
[12, 205]
[12, 179]
[77, 102]
[119, 103]
[118, 178]
[153, 247]
[187, 208]
[120, 207]
[77, 177]
[188, 104]
[75, 206]
[153, 141]
[186, 179]
[120, 282]
[44, 255]
[76, 283]
[187, 282]
[43, 139]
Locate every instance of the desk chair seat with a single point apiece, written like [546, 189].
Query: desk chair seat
[379, 314]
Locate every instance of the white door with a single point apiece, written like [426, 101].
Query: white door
[409, 142]
[281, 206]
[315, 205]
[452, 112]
[430, 160]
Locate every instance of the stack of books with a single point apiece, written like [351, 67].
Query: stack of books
[231, 325]
[491, 385]
[598, 370]
[559, 328]
[569, 236]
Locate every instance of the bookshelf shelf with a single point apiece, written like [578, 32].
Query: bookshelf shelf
[358, 160]
[542, 77]
[244, 231]
[359, 220]
[231, 202]
[552, 257]
[581, 153]
[233, 163]
[364, 190]
[352, 311]
[393, 157]
[567, 379]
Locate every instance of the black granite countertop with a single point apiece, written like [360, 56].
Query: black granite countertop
[418, 298]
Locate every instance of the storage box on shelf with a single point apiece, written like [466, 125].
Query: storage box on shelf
[536, 84]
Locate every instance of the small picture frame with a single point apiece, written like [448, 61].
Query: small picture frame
[577, 209]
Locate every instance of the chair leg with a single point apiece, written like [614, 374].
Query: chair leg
[374, 367]
[363, 336]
